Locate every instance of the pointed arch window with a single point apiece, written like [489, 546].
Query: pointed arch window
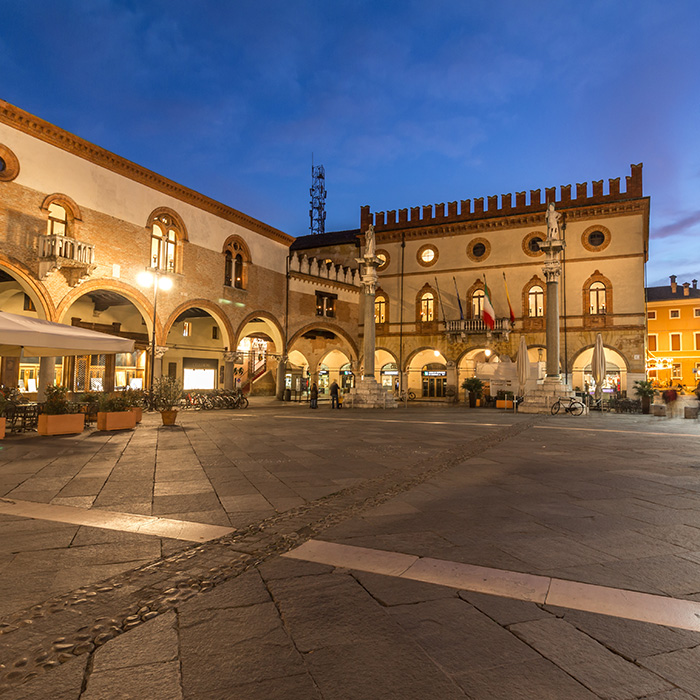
[163, 244]
[535, 302]
[597, 298]
[427, 307]
[228, 268]
[238, 270]
[236, 263]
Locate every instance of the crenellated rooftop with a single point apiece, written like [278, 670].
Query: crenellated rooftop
[468, 210]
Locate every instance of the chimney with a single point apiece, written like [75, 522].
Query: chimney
[686, 289]
[695, 284]
[673, 284]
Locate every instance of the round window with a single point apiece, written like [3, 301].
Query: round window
[427, 255]
[382, 259]
[596, 239]
[479, 250]
[534, 244]
[3, 165]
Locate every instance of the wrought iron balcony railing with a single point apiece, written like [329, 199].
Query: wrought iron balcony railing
[476, 325]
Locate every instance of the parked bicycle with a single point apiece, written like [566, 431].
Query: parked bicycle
[573, 406]
[410, 396]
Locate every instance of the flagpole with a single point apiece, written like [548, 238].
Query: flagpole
[459, 301]
[437, 287]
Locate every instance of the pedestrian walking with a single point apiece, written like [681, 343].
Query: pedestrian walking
[334, 394]
[313, 395]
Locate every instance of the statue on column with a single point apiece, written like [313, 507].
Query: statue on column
[553, 222]
[370, 244]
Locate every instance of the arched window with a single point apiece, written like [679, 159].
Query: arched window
[228, 268]
[427, 307]
[535, 302]
[57, 221]
[237, 269]
[380, 309]
[477, 303]
[163, 244]
[597, 298]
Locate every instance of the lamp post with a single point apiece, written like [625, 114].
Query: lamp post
[153, 277]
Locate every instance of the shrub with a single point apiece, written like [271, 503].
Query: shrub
[473, 386]
[644, 388]
[57, 402]
[113, 403]
[167, 392]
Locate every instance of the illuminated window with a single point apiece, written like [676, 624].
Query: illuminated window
[187, 329]
[58, 220]
[380, 309]
[325, 304]
[163, 244]
[235, 261]
[596, 297]
[477, 303]
[427, 307]
[535, 302]
[427, 255]
[238, 271]
[653, 344]
[677, 371]
[383, 259]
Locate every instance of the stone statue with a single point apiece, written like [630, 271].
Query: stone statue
[370, 245]
[553, 222]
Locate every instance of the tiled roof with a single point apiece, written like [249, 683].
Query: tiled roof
[321, 240]
[666, 294]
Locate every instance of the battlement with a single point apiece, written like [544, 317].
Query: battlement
[467, 211]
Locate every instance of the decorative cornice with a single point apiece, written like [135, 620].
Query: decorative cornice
[51, 134]
[322, 281]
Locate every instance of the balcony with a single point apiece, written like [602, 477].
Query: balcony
[75, 258]
[472, 326]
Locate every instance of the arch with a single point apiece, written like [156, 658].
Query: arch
[597, 276]
[320, 325]
[410, 358]
[237, 262]
[244, 250]
[477, 353]
[378, 297]
[534, 281]
[279, 341]
[177, 221]
[430, 309]
[613, 355]
[37, 292]
[215, 311]
[72, 209]
[477, 286]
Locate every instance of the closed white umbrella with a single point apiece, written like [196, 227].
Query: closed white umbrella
[523, 364]
[37, 338]
[598, 364]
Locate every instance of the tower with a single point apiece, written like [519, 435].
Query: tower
[317, 213]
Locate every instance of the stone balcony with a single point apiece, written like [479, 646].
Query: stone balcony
[74, 258]
[475, 326]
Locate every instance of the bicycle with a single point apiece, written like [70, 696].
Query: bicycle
[410, 396]
[576, 408]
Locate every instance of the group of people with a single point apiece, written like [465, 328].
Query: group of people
[334, 390]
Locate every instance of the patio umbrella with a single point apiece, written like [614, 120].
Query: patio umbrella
[523, 364]
[598, 364]
[37, 338]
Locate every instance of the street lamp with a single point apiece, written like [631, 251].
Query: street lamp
[153, 277]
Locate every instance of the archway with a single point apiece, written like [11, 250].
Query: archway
[616, 366]
[335, 366]
[426, 374]
[258, 352]
[387, 368]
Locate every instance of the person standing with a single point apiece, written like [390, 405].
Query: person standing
[334, 394]
[313, 396]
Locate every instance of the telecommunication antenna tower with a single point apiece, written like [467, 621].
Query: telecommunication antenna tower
[317, 213]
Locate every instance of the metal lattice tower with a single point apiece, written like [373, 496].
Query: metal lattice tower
[317, 213]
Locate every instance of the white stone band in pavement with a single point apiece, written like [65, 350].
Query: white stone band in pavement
[108, 520]
[544, 590]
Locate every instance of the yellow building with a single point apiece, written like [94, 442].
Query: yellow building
[673, 334]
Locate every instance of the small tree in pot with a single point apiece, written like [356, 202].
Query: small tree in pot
[645, 391]
[167, 393]
[60, 416]
[475, 388]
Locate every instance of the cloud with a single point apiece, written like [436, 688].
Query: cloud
[681, 226]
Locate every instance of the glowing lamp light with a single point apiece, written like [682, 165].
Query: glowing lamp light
[437, 353]
[145, 279]
[487, 352]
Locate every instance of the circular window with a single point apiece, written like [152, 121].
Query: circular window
[531, 243]
[478, 249]
[427, 255]
[383, 259]
[595, 238]
[9, 165]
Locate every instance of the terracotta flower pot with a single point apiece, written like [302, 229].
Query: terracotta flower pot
[168, 417]
[117, 420]
[2, 428]
[61, 424]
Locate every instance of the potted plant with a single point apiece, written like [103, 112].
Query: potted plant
[502, 400]
[475, 388]
[167, 393]
[114, 413]
[135, 400]
[60, 416]
[645, 390]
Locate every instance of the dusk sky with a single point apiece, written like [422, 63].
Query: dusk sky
[404, 103]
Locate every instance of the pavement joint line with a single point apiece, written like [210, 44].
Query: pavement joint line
[533, 588]
[610, 430]
[393, 420]
[112, 520]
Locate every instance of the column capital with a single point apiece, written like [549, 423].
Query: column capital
[160, 351]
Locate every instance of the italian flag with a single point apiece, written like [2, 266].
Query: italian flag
[487, 313]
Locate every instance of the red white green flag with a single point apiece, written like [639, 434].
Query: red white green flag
[487, 313]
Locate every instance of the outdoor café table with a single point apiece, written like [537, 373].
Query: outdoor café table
[22, 417]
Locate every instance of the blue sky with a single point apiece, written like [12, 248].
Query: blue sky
[404, 103]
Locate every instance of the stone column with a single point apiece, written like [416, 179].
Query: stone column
[452, 379]
[369, 282]
[47, 376]
[281, 372]
[158, 365]
[229, 359]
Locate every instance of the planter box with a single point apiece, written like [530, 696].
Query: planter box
[63, 424]
[504, 403]
[2, 428]
[691, 411]
[118, 420]
[138, 413]
[658, 409]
